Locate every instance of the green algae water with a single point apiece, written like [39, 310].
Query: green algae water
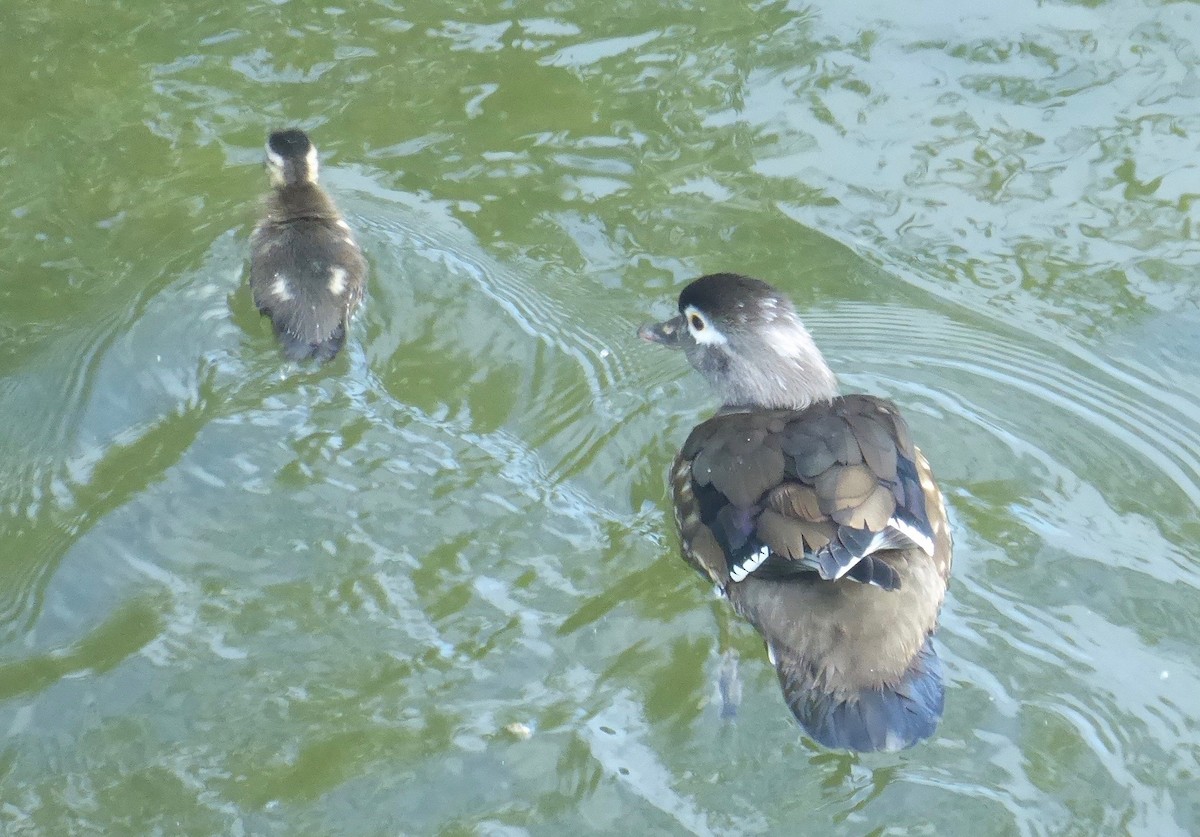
[433, 587]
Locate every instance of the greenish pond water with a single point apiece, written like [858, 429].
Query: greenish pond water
[239, 596]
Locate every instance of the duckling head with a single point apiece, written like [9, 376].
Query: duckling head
[291, 158]
[747, 341]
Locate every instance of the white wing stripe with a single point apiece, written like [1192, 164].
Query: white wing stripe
[739, 571]
[911, 532]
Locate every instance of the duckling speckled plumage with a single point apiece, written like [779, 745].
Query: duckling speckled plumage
[815, 515]
[306, 271]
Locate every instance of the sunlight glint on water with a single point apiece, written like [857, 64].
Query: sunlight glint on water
[433, 587]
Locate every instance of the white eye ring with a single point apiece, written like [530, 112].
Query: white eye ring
[702, 331]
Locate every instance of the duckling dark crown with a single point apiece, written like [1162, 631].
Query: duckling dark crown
[290, 144]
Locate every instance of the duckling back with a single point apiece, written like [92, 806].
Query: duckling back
[307, 273]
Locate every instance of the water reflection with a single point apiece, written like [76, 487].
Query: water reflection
[277, 599]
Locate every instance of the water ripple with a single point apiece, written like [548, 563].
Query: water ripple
[1156, 425]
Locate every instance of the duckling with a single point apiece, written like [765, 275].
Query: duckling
[815, 515]
[306, 271]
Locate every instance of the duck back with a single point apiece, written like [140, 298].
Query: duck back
[307, 274]
[826, 531]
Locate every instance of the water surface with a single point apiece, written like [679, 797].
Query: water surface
[433, 587]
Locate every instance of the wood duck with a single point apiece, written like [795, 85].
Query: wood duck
[306, 271]
[815, 515]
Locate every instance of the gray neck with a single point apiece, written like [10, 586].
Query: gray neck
[778, 367]
[792, 386]
[300, 200]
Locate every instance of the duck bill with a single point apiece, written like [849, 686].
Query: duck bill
[668, 333]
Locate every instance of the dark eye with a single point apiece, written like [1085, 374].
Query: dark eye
[697, 323]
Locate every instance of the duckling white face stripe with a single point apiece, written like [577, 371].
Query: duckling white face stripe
[310, 160]
[707, 336]
[275, 168]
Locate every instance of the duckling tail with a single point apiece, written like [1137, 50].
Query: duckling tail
[299, 348]
[891, 717]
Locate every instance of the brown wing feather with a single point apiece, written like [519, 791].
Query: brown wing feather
[839, 646]
[816, 487]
